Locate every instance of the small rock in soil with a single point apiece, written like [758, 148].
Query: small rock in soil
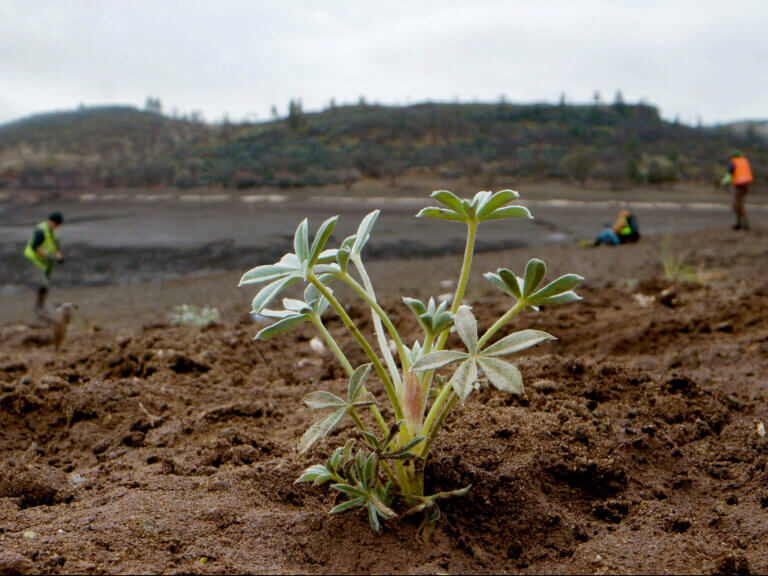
[35, 484]
[545, 386]
[732, 563]
[677, 525]
[12, 563]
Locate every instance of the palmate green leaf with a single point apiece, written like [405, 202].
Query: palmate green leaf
[516, 342]
[559, 286]
[282, 326]
[435, 360]
[432, 318]
[357, 380]
[463, 380]
[484, 206]
[534, 274]
[319, 430]
[502, 375]
[321, 399]
[323, 233]
[555, 293]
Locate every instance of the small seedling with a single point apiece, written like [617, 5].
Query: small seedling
[675, 269]
[383, 473]
[186, 315]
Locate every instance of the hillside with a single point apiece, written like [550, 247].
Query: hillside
[750, 129]
[620, 144]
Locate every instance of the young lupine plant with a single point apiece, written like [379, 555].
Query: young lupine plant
[383, 471]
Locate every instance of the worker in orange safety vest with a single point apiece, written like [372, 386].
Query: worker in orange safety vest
[740, 177]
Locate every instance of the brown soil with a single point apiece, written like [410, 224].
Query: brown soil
[161, 449]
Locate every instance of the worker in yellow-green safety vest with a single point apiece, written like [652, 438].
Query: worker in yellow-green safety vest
[43, 251]
[623, 231]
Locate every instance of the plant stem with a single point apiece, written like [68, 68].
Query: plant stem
[380, 336]
[434, 411]
[433, 422]
[433, 433]
[318, 323]
[388, 471]
[440, 421]
[391, 393]
[461, 287]
[511, 313]
[430, 425]
[382, 314]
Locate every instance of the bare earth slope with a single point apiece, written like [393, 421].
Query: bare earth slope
[151, 448]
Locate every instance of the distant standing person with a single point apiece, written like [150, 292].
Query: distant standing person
[43, 250]
[740, 177]
[623, 231]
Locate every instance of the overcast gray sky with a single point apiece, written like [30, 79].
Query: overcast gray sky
[703, 58]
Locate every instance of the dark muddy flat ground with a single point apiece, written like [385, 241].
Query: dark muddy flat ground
[145, 447]
[122, 238]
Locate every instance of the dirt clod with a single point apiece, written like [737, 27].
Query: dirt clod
[13, 563]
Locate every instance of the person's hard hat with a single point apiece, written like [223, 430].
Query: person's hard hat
[736, 154]
[56, 217]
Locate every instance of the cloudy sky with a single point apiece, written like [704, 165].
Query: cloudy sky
[703, 59]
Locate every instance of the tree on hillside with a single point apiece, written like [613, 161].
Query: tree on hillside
[295, 115]
[153, 105]
[618, 103]
[580, 163]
